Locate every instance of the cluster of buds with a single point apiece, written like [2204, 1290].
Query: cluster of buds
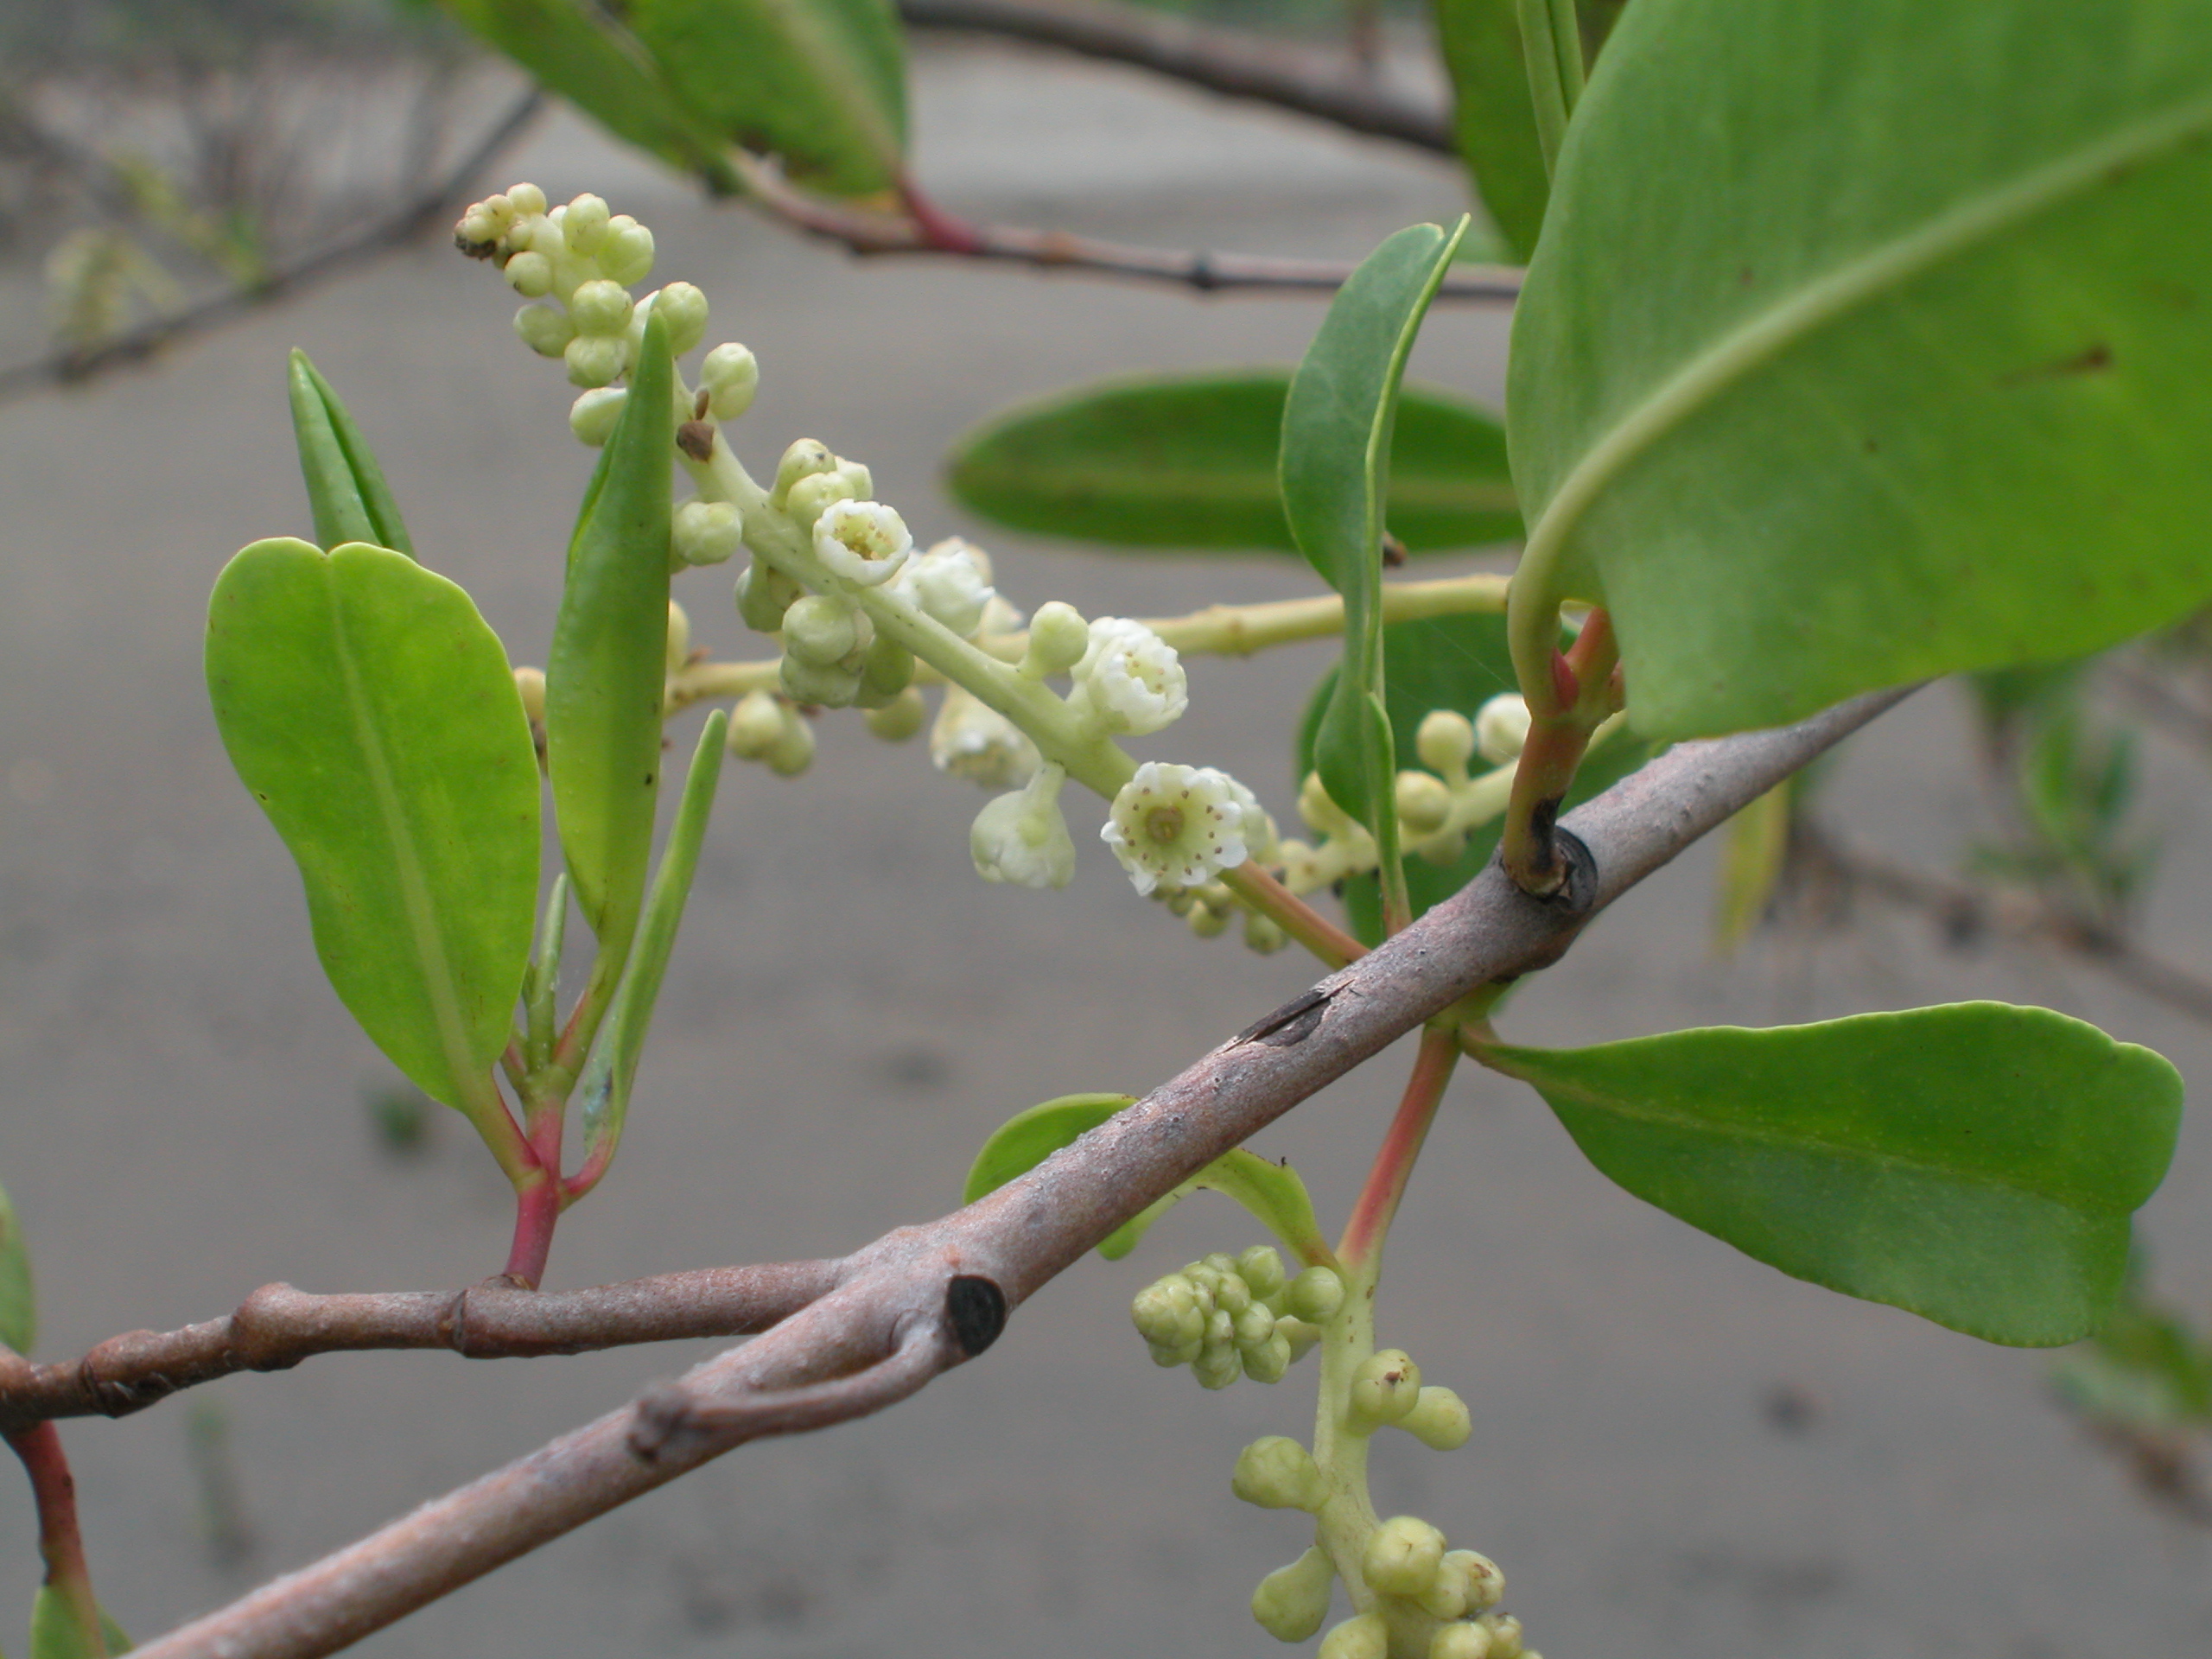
[1210, 909]
[1453, 1593]
[1231, 1316]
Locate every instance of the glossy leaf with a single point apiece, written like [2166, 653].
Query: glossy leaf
[606, 675]
[580, 51]
[18, 1299]
[1865, 343]
[1338, 420]
[372, 714]
[605, 1085]
[1976, 1164]
[1457, 662]
[820, 83]
[346, 488]
[1189, 461]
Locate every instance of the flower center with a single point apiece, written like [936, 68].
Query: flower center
[1164, 824]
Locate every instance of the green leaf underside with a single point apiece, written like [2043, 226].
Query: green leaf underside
[346, 487]
[18, 1300]
[820, 83]
[1189, 462]
[1976, 1164]
[606, 675]
[372, 712]
[56, 1633]
[1865, 343]
[1457, 662]
[1492, 122]
[605, 1086]
[581, 52]
[1335, 467]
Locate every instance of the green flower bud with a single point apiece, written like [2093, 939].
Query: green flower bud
[861, 479]
[1270, 1361]
[1058, 637]
[1167, 1312]
[592, 415]
[1206, 922]
[1502, 728]
[1459, 1642]
[1423, 801]
[900, 718]
[756, 725]
[808, 497]
[594, 359]
[705, 532]
[1442, 850]
[1485, 1582]
[625, 250]
[1261, 1268]
[825, 685]
[1439, 1418]
[544, 328]
[1206, 1278]
[1256, 1327]
[1384, 1389]
[682, 310]
[1402, 1556]
[1263, 934]
[1217, 1367]
[584, 221]
[680, 636]
[526, 199]
[530, 275]
[1447, 1597]
[1298, 1333]
[795, 752]
[600, 307]
[1278, 1473]
[1185, 1353]
[805, 459]
[530, 684]
[1232, 1295]
[731, 375]
[1366, 1636]
[1291, 1601]
[1504, 1634]
[485, 222]
[820, 631]
[763, 593]
[887, 669]
[1315, 1294]
[1446, 743]
[1221, 1329]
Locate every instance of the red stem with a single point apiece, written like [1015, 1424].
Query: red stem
[538, 1199]
[1394, 1160]
[55, 1492]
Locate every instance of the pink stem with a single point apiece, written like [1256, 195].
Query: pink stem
[55, 1492]
[1394, 1160]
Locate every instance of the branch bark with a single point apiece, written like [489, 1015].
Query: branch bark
[897, 1318]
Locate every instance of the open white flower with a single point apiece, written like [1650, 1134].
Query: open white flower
[863, 542]
[1129, 680]
[1022, 838]
[975, 741]
[1180, 826]
[947, 584]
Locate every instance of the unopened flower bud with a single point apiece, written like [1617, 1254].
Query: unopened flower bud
[592, 415]
[1366, 1636]
[819, 630]
[1440, 1419]
[1270, 1361]
[1220, 1326]
[1021, 838]
[1256, 1327]
[1446, 743]
[485, 222]
[530, 686]
[1384, 1389]
[625, 250]
[1217, 1367]
[585, 222]
[756, 725]
[1291, 1601]
[1278, 1473]
[808, 497]
[861, 479]
[1206, 922]
[680, 636]
[1502, 728]
[600, 307]
[899, 719]
[544, 328]
[1261, 1268]
[705, 532]
[1401, 1557]
[947, 584]
[794, 754]
[1315, 1294]
[763, 593]
[1263, 935]
[526, 199]
[1459, 1642]
[594, 359]
[1232, 1295]
[683, 311]
[1423, 801]
[1485, 1582]
[731, 375]
[887, 669]
[530, 275]
[825, 685]
[1168, 1313]
[1504, 1634]
[1058, 637]
[1181, 1353]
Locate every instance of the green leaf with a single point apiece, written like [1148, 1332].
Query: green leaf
[1976, 1164]
[1492, 122]
[1457, 662]
[820, 83]
[1335, 467]
[346, 487]
[579, 50]
[372, 714]
[18, 1300]
[607, 1076]
[606, 676]
[1189, 460]
[1866, 342]
[57, 1633]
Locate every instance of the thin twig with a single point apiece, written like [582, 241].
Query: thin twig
[427, 210]
[1232, 62]
[900, 1298]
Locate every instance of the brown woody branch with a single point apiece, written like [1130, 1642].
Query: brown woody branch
[896, 1317]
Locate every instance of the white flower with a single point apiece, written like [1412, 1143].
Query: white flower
[974, 741]
[863, 542]
[1502, 728]
[1022, 838]
[947, 583]
[1129, 680]
[1180, 826]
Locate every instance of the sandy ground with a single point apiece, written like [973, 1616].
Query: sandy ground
[851, 1012]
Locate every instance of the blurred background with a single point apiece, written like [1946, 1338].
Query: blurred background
[1675, 1446]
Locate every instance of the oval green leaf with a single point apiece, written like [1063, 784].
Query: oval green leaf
[346, 488]
[1188, 461]
[372, 712]
[1866, 342]
[58, 1633]
[1976, 1164]
[606, 676]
